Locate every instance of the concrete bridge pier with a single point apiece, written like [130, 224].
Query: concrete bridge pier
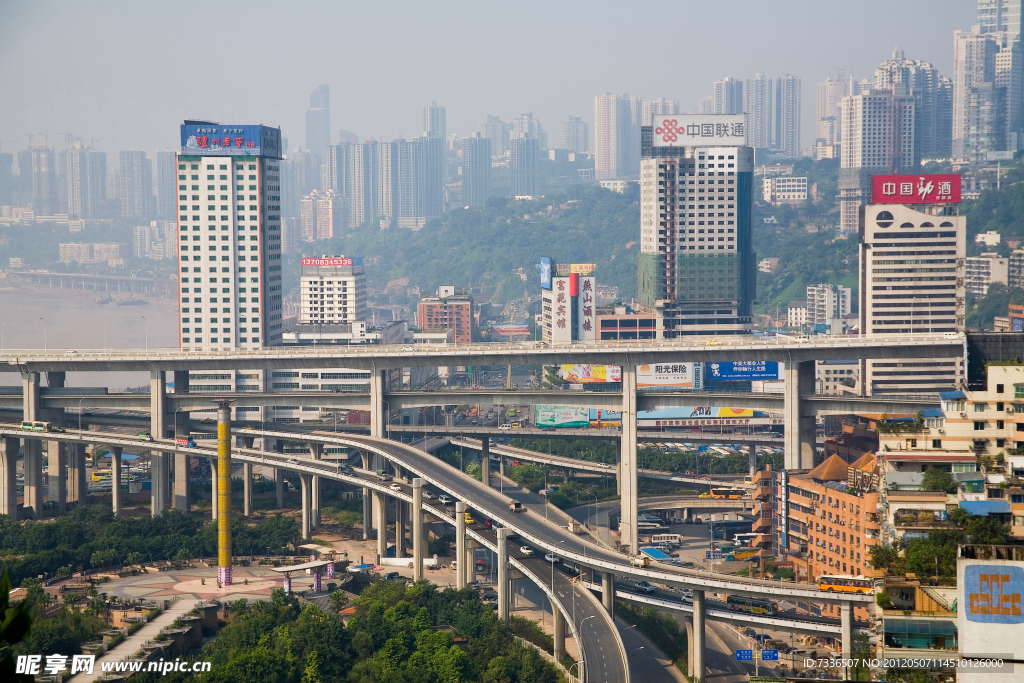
[461, 554]
[9, 448]
[56, 486]
[213, 488]
[115, 479]
[608, 592]
[401, 517]
[752, 459]
[418, 531]
[306, 501]
[503, 574]
[559, 638]
[183, 482]
[247, 489]
[485, 460]
[799, 440]
[158, 465]
[380, 521]
[33, 498]
[317, 451]
[78, 486]
[688, 623]
[698, 636]
[629, 534]
[846, 627]
[158, 482]
[367, 500]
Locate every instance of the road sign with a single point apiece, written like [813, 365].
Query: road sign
[712, 554]
[744, 655]
[769, 655]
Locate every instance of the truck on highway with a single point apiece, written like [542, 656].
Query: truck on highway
[640, 561]
[516, 506]
[185, 441]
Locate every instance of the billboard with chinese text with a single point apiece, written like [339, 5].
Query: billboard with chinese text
[561, 416]
[584, 374]
[511, 330]
[677, 130]
[600, 417]
[587, 308]
[212, 139]
[670, 375]
[704, 416]
[932, 188]
[742, 369]
[990, 618]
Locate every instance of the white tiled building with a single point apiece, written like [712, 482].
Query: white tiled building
[985, 270]
[784, 190]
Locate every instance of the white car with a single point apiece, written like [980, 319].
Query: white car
[427, 495]
[526, 550]
[444, 499]
[505, 426]
[395, 487]
[551, 557]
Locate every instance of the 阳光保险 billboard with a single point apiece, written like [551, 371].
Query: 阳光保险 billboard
[585, 374]
[561, 416]
[669, 375]
[741, 369]
[678, 130]
[931, 188]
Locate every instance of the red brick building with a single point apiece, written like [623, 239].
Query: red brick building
[447, 311]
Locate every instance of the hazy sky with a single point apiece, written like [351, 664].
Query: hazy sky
[128, 73]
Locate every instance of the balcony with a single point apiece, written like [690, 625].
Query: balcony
[762, 524]
[763, 493]
[762, 541]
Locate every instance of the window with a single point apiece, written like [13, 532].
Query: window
[979, 426]
[999, 388]
[980, 407]
[936, 443]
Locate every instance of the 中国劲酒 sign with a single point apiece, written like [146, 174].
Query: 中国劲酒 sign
[933, 188]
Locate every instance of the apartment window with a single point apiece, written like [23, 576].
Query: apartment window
[979, 426]
[980, 407]
[936, 443]
[999, 388]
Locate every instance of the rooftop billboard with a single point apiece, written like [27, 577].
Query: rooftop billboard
[932, 188]
[214, 139]
[718, 130]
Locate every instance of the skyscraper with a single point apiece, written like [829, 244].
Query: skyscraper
[530, 127]
[576, 134]
[86, 178]
[787, 116]
[728, 96]
[165, 181]
[434, 124]
[759, 111]
[6, 179]
[828, 117]
[1001, 16]
[523, 166]
[476, 170]
[318, 122]
[652, 108]
[978, 104]
[229, 244]
[495, 130]
[932, 101]
[308, 207]
[695, 273]
[617, 136]
[45, 195]
[136, 178]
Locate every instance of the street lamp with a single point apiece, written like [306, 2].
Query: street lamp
[44, 335]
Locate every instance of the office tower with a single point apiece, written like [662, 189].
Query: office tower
[332, 290]
[85, 176]
[331, 215]
[136, 177]
[869, 147]
[728, 96]
[434, 124]
[527, 126]
[652, 108]
[787, 116]
[318, 122]
[979, 104]
[826, 302]
[6, 179]
[523, 166]
[308, 207]
[476, 170]
[759, 111]
[617, 136]
[931, 110]
[576, 134]
[495, 130]
[828, 116]
[291, 235]
[231, 229]
[165, 181]
[696, 257]
[928, 299]
[45, 194]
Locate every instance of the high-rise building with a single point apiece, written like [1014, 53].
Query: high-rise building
[291, 235]
[165, 183]
[420, 179]
[386, 173]
[434, 124]
[332, 290]
[828, 114]
[728, 96]
[616, 136]
[308, 207]
[495, 130]
[523, 166]
[924, 295]
[706, 105]
[759, 111]
[932, 107]
[447, 311]
[136, 178]
[979, 105]
[527, 126]
[45, 194]
[230, 239]
[1001, 16]
[476, 170]
[576, 134]
[86, 177]
[696, 253]
[870, 147]
[787, 116]
[331, 215]
[652, 108]
[318, 122]
[981, 272]
[827, 302]
[6, 179]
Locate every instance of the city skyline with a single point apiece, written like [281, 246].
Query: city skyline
[119, 120]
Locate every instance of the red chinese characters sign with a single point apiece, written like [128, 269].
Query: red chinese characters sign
[934, 188]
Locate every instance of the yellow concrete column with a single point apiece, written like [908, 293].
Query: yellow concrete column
[224, 492]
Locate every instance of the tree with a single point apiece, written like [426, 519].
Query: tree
[312, 672]
[937, 479]
[339, 599]
[15, 626]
